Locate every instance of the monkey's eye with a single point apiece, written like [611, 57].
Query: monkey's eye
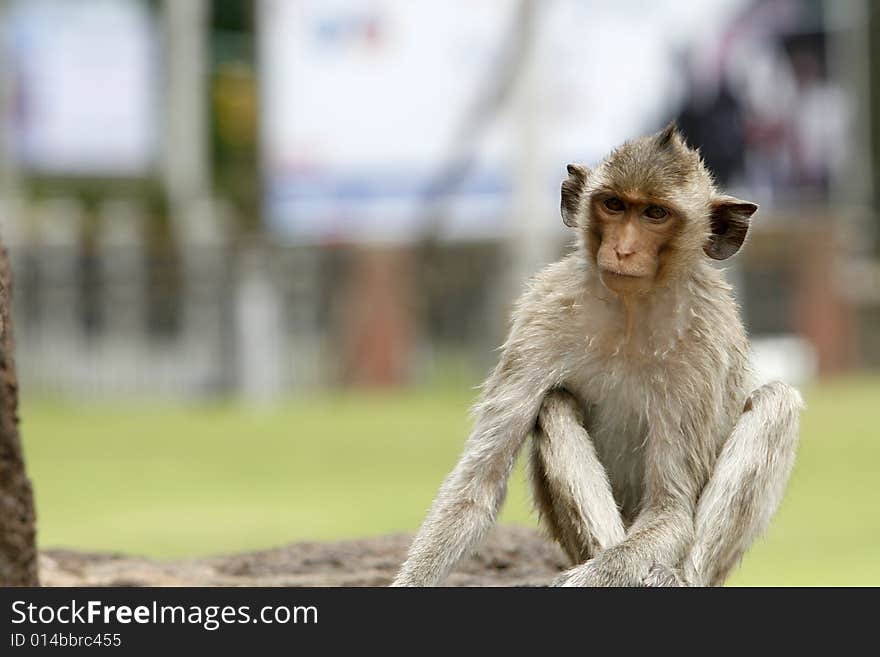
[614, 204]
[656, 213]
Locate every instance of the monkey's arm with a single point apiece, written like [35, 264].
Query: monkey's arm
[472, 493]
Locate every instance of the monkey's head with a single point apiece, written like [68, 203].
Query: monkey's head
[650, 212]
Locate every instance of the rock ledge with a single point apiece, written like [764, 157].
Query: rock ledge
[511, 556]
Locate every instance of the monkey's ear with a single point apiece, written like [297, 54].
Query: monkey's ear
[572, 193]
[729, 222]
[668, 135]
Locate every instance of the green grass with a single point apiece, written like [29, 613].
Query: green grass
[170, 481]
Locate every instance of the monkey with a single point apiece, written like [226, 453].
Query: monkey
[654, 459]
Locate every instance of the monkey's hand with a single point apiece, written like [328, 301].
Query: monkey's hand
[663, 576]
[610, 568]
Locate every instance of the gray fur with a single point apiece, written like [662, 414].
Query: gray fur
[646, 468]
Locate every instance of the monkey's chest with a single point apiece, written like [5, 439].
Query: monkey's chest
[619, 439]
[615, 412]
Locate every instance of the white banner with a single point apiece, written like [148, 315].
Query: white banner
[361, 104]
[84, 85]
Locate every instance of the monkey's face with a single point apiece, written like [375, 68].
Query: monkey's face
[650, 212]
[631, 237]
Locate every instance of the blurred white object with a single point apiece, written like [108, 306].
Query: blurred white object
[87, 86]
[783, 357]
[415, 71]
[258, 332]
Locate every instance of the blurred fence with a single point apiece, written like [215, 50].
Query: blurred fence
[106, 311]
[112, 300]
[105, 305]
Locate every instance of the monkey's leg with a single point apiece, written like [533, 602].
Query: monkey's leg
[747, 484]
[571, 488]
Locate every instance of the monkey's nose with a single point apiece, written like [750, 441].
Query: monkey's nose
[623, 252]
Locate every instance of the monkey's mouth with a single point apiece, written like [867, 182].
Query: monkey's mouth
[621, 275]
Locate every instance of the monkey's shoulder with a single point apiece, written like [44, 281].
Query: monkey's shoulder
[556, 287]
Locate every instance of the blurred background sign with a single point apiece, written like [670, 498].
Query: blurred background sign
[373, 110]
[361, 103]
[86, 83]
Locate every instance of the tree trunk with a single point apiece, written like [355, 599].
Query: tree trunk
[18, 548]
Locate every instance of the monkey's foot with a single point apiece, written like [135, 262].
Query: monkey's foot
[663, 576]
